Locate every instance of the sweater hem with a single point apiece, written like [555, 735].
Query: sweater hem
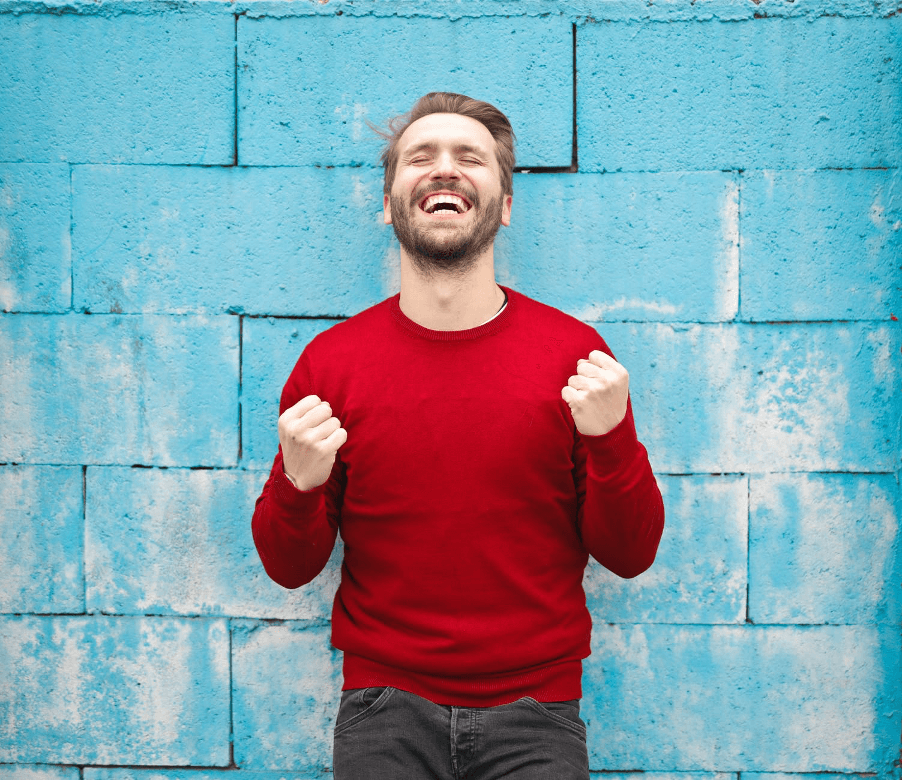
[560, 681]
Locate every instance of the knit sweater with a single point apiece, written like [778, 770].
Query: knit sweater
[467, 501]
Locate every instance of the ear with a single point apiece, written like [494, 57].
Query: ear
[506, 210]
[386, 209]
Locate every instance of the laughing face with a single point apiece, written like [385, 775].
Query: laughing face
[446, 203]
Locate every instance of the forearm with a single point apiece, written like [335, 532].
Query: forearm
[622, 514]
[292, 531]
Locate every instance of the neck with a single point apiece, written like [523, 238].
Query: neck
[442, 301]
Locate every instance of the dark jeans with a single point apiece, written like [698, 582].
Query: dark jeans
[389, 734]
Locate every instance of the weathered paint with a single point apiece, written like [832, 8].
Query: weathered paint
[286, 65]
[169, 166]
[179, 542]
[109, 690]
[41, 539]
[35, 249]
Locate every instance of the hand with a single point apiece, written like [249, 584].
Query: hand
[597, 394]
[310, 437]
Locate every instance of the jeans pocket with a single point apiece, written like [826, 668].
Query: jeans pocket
[564, 713]
[359, 704]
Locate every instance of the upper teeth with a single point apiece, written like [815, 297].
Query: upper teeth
[433, 201]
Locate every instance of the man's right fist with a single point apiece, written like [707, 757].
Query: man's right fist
[310, 437]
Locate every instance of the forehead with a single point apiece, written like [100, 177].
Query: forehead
[447, 130]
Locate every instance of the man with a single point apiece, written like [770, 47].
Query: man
[473, 446]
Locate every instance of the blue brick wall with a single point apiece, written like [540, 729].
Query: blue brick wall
[189, 193]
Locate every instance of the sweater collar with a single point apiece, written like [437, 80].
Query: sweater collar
[494, 325]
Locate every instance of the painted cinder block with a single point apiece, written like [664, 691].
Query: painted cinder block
[178, 541]
[153, 390]
[136, 88]
[269, 350]
[739, 398]
[764, 93]
[135, 773]
[102, 690]
[41, 548]
[821, 245]
[302, 241]
[804, 699]
[626, 246]
[37, 772]
[307, 86]
[286, 682]
[35, 249]
[825, 548]
[699, 574]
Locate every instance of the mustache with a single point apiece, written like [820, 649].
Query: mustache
[439, 186]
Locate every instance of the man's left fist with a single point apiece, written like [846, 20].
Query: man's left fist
[597, 394]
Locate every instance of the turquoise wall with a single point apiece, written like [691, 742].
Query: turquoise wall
[188, 193]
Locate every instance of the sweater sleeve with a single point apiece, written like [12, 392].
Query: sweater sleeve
[621, 513]
[295, 530]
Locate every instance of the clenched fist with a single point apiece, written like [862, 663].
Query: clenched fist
[310, 437]
[597, 394]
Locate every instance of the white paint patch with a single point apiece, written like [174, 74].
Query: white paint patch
[391, 269]
[6, 242]
[597, 311]
[727, 306]
[7, 300]
[354, 115]
[361, 195]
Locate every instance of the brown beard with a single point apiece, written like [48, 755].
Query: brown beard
[439, 250]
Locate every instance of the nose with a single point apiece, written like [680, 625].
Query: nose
[445, 167]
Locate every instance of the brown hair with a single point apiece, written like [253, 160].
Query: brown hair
[451, 103]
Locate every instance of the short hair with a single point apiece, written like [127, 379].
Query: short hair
[452, 103]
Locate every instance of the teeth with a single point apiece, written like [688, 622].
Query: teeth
[433, 201]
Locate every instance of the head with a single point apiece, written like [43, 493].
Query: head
[442, 148]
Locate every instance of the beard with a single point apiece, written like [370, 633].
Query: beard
[445, 248]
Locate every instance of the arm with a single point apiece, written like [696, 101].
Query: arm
[620, 510]
[621, 513]
[294, 529]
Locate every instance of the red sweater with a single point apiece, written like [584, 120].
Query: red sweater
[467, 501]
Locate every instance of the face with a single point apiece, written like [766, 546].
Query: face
[446, 203]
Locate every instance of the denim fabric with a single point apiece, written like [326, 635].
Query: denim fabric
[390, 734]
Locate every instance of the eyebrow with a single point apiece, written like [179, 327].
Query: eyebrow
[429, 146]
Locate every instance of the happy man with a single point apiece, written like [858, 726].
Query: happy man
[473, 447]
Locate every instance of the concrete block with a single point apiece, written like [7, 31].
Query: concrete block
[286, 684]
[119, 390]
[178, 541]
[35, 244]
[784, 699]
[41, 548]
[136, 88]
[739, 398]
[132, 773]
[825, 548]
[35, 772]
[307, 86]
[699, 575]
[626, 247]
[263, 241]
[763, 93]
[821, 245]
[269, 350]
[100, 690]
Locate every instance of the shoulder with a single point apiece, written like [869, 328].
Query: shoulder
[554, 322]
[352, 333]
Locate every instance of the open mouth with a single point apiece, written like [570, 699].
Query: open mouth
[445, 203]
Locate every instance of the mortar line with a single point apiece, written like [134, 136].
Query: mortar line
[574, 159]
[748, 544]
[84, 540]
[231, 712]
[240, 385]
[235, 97]
[739, 246]
[71, 259]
